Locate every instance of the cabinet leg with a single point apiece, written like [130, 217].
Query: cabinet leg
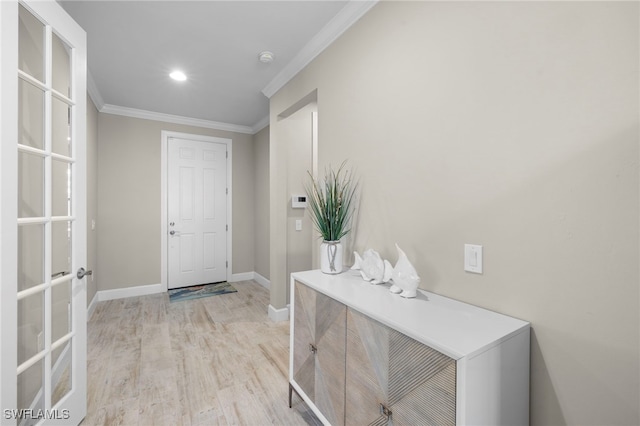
[291, 388]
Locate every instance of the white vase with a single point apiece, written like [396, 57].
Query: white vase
[331, 257]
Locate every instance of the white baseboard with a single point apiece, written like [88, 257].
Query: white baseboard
[278, 315]
[244, 276]
[144, 290]
[92, 306]
[120, 293]
[262, 280]
[248, 276]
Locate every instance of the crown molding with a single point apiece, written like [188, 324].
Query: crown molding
[94, 93]
[176, 119]
[347, 16]
[260, 125]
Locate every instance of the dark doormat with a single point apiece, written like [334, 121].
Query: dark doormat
[198, 291]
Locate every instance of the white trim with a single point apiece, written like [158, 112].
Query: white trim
[262, 280]
[243, 276]
[165, 135]
[278, 315]
[261, 124]
[248, 276]
[342, 21]
[348, 16]
[144, 290]
[94, 93]
[176, 119]
[121, 293]
[92, 306]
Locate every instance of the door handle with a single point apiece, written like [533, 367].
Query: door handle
[174, 233]
[81, 273]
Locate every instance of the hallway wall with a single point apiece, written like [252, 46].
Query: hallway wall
[513, 125]
[129, 191]
[261, 183]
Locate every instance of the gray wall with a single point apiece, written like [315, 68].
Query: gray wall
[296, 132]
[513, 126]
[129, 199]
[261, 188]
[92, 197]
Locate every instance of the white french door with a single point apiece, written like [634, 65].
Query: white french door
[43, 221]
[196, 212]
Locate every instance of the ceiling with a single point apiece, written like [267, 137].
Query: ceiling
[134, 45]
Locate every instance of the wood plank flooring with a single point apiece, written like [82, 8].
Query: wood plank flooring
[213, 361]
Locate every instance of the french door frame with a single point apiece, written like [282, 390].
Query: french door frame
[8, 204]
[55, 19]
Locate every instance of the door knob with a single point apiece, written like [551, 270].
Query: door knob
[81, 273]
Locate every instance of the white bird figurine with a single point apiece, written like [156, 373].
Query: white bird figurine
[372, 268]
[405, 278]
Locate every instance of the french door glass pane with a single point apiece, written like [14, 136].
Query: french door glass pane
[60, 188]
[61, 66]
[31, 45]
[30, 185]
[61, 249]
[61, 373]
[30, 256]
[30, 326]
[30, 385]
[61, 131]
[61, 311]
[30, 115]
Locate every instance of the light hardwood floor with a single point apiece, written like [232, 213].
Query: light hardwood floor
[209, 361]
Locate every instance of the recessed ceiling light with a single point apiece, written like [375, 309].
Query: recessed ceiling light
[266, 57]
[178, 75]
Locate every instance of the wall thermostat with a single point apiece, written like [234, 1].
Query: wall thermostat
[298, 201]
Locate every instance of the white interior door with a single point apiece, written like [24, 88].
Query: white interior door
[197, 212]
[43, 226]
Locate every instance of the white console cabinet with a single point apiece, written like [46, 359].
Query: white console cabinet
[361, 355]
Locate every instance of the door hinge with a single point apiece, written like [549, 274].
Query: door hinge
[226, 154]
[227, 262]
[227, 191]
[227, 227]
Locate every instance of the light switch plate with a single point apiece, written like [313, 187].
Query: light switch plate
[473, 258]
[298, 224]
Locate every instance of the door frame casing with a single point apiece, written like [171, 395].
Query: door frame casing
[164, 198]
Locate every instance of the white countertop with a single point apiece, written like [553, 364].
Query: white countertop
[452, 327]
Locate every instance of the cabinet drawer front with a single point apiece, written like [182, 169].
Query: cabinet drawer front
[319, 350]
[331, 317]
[304, 334]
[415, 382]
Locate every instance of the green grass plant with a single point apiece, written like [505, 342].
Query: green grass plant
[331, 202]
